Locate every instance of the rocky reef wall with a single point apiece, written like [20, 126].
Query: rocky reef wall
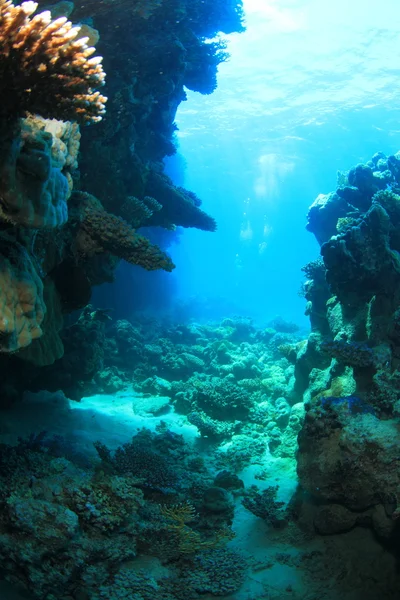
[348, 370]
[72, 198]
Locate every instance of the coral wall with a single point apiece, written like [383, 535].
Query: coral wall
[71, 200]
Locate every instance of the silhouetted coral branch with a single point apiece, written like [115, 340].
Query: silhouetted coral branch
[179, 206]
[22, 307]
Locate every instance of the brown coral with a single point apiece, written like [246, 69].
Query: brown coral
[45, 69]
[100, 232]
[22, 306]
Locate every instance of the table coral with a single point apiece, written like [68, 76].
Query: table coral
[179, 207]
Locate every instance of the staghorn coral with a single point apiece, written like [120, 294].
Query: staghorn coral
[102, 232]
[45, 69]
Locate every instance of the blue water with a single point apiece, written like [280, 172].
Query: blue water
[310, 89]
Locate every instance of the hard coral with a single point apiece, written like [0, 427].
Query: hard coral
[101, 232]
[137, 459]
[22, 307]
[179, 207]
[45, 69]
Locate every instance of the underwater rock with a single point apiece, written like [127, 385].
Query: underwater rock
[362, 177]
[334, 518]
[323, 215]
[346, 461]
[383, 524]
[360, 263]
[154, 405]
[217, 500]
[228, 481]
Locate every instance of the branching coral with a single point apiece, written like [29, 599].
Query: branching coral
[45, 69]
[101, 232]
[189, 540]
[264, 505]
[137, 212]
[136, 459]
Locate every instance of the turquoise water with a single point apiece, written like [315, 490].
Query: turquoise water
[311, 88]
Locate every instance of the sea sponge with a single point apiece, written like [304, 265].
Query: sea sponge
[35, 173]
[45, 69]
[22, 307]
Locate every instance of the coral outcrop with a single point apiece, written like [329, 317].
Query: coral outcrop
[100, 232]
[97, 521]
[73, 226]
[348, 372]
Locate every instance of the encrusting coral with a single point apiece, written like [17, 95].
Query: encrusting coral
[45, 68]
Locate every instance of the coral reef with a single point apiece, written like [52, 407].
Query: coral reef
[348, 370]
[223, 385]
[66, 228]
[94, 520]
